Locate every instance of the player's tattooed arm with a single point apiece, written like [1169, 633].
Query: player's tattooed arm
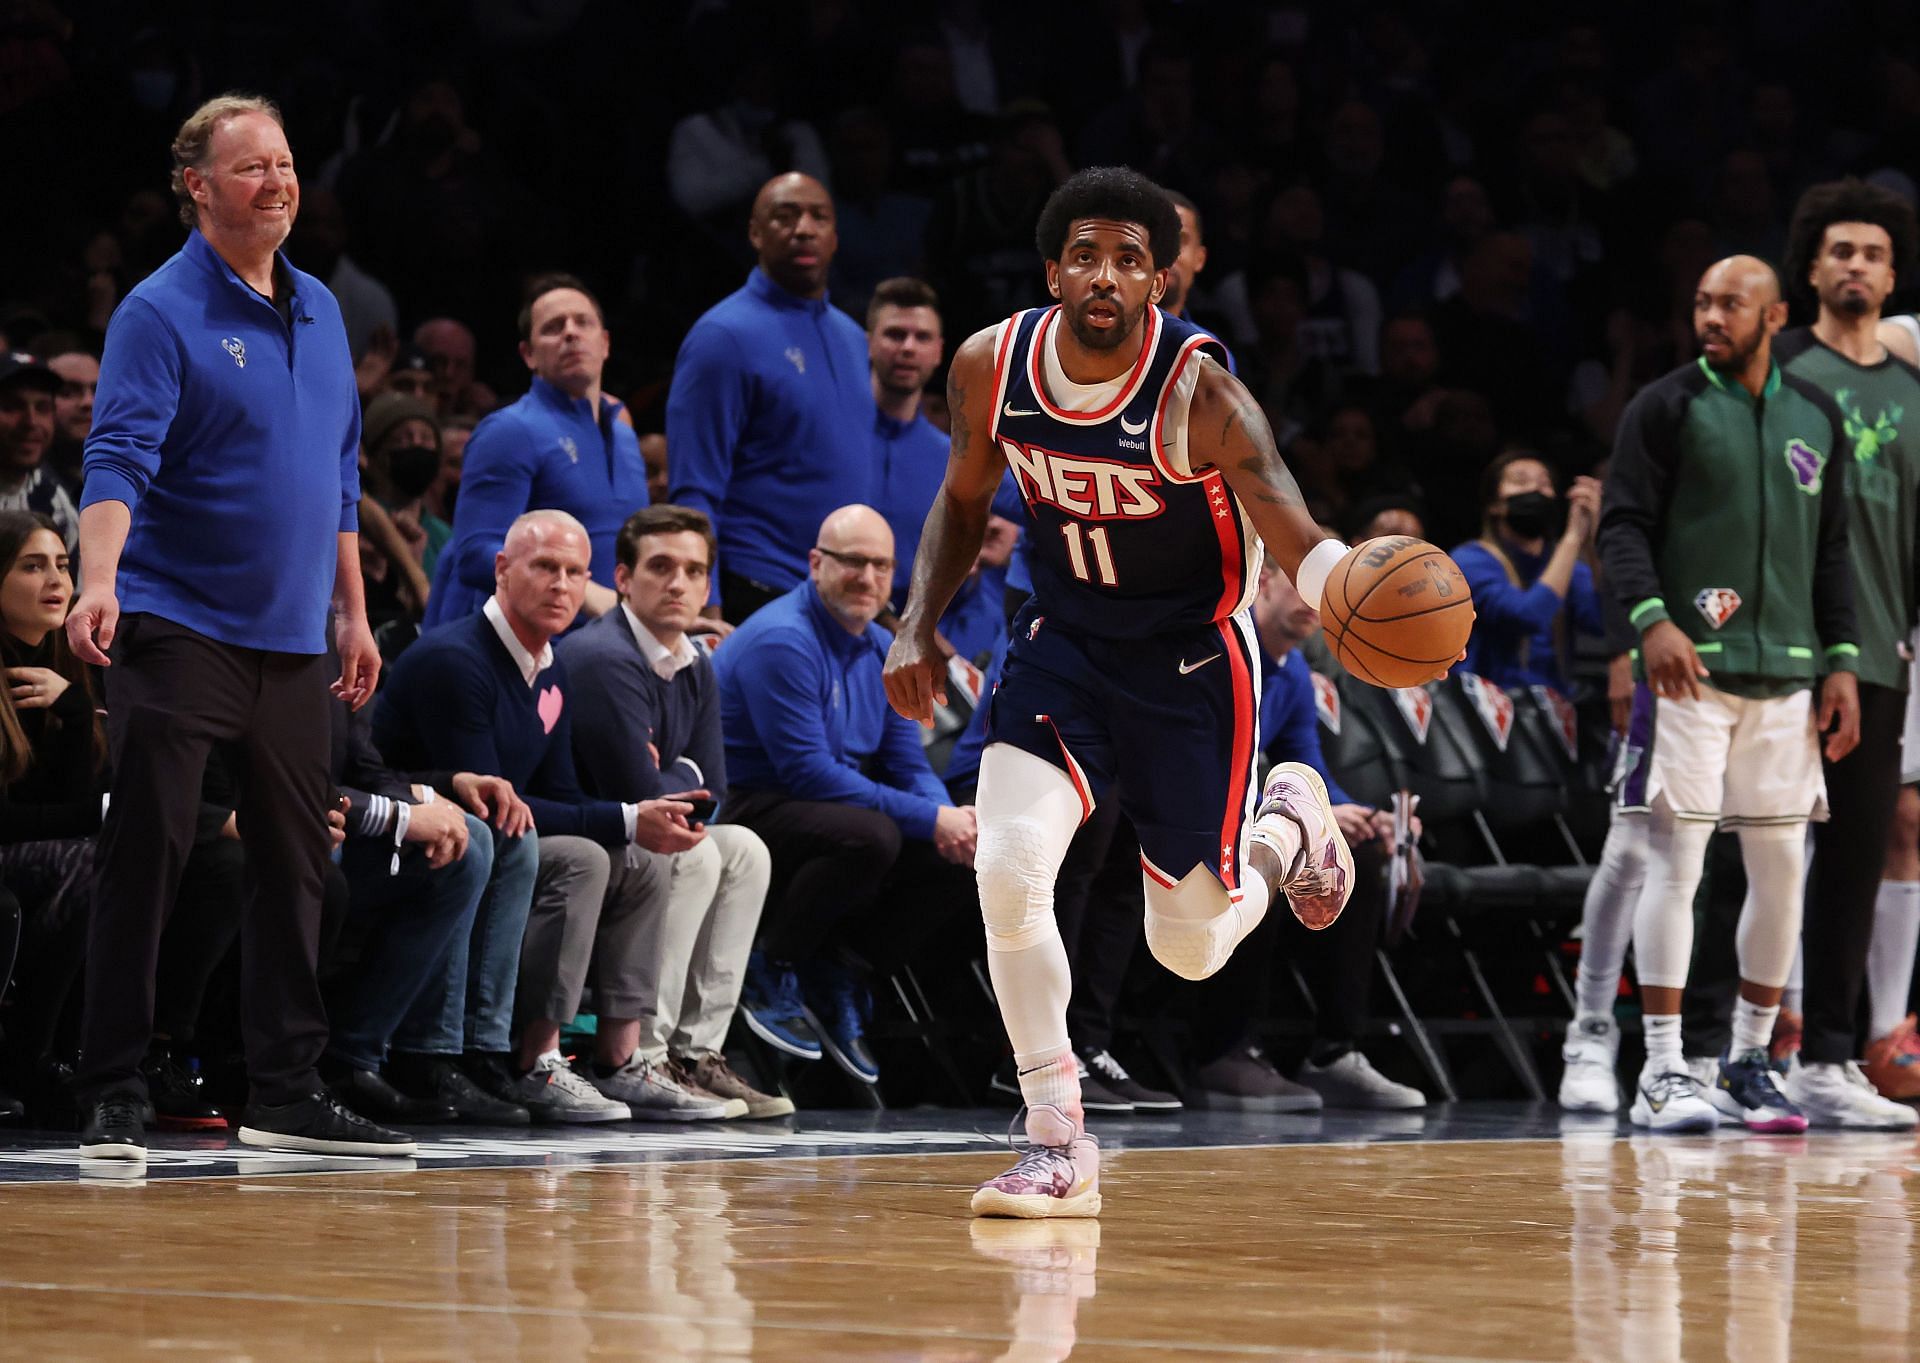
[1228, 429]
[955, 527]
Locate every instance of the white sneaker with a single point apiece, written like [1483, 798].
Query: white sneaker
[1705, 1070]
[1591, 1053]
[1320, 881]
[655, 1095]
[1352, 1081]
[567, 1097]
[1842, 1096]
[1670, 1101]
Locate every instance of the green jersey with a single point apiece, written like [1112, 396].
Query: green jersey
[1880, 407]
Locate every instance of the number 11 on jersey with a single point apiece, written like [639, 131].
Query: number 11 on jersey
[1102, 553]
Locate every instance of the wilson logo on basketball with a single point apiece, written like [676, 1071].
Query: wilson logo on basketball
[1717, 604]
[1092, 489]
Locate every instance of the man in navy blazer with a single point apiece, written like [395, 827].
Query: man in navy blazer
[486, 694]
[646, 722]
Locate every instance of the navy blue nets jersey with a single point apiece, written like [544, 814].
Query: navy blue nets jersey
[1124, 539]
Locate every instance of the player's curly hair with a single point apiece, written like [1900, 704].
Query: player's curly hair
[1110, 192]
[1848, 200]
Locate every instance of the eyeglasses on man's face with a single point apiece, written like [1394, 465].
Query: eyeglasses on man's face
[858, 563]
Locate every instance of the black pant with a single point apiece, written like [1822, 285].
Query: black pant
[171, 695]
[208, 910]
[1337, 962]
[1849, 854]
[742, 596]
[846, 877]
[1100, 906]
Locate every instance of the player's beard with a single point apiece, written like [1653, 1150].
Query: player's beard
[1111, 339]
[1847, 304]
[1739, 355]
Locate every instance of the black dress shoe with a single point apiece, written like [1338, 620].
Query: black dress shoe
[176, 1095]
[113, 1129]
[440, 1077]
[370, 1095]
[11, 1108]
[318, 1124]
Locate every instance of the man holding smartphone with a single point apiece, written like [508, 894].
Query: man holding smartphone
[646, 724]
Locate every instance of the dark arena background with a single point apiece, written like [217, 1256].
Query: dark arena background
[591, 257]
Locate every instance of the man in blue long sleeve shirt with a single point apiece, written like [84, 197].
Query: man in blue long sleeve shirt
[486, 694]
[646, 722]
[1337, 963]
[222, 487]
[866, 846]
[770, 420]
[1530, 593]
[566, 446]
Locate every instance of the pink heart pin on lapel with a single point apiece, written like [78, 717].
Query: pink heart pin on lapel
[549, 707]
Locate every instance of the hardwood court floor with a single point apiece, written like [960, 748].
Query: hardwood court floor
[1590, 1247]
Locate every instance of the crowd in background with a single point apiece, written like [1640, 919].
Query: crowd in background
[1443, 248]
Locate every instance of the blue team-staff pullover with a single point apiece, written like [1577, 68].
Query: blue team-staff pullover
[912, 465]
[770, 426]
[1289, 728]
[456, 701]
[546, 452]
[233, 436]
[1513, 641]
[804, 713]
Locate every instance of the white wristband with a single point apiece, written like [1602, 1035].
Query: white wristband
[1311, 580]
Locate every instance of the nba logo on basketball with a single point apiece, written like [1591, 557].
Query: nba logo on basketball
[1717, 604]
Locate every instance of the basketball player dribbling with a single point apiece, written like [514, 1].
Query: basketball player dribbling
[1151, 478]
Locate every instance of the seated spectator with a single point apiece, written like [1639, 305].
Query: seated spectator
[563, 446]
[486, 694]
[1234, 1073]
[440, 498]
[976, 619]
[770, 416]
[27, 481]
[868, 850]
[402, 443]
[52, 781]
[319, 243]
[1528, 571]
[420, 870]
[450, 352]
[646, 723]
[79, 374]
[1388, 514]
[410, 375]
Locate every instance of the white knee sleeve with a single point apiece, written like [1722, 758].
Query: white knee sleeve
[1769, 935]
[1606, 922]
[1193, 927]
[1016, 874]
[1663, 919]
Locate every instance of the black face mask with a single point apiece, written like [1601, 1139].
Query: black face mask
[1533, 515]
[411, 469]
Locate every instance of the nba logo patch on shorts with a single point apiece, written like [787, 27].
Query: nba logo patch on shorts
[1717, 604]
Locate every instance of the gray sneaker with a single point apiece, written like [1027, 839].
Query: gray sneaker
[1244, 1080]
[655, 1094]
[1352, 1081]
[554, 1093]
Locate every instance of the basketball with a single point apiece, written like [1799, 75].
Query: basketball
[1396, 611]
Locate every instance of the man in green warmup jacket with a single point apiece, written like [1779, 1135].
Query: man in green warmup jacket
[1724, 533]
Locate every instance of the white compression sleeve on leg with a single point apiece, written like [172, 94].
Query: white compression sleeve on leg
[1769, 935]
[1606, 921]
[1192, 927]
[1663, 919]
[1028, 812]
[1896, 933]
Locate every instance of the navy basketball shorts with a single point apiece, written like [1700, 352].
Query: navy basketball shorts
[1173, 719]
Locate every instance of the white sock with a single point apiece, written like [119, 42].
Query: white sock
[1052, 1081]
[1606, 923]
[1896, 935]
[1662, 1032]
[1769, 934]
[1663, 919]
[1283, 838]
[1752, 1026]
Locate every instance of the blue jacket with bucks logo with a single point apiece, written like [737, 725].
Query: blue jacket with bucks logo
[546, 452]
[231, 430]
[1726, 513]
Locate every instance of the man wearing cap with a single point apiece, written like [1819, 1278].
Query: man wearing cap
[219, 544]
[27, 482]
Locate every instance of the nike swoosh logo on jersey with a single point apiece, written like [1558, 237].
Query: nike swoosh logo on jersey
[1011, 410]
[1186, 667]
[1131, 429]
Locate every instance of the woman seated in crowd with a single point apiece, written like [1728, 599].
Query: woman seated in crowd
[1531, 582]
[53, 777]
